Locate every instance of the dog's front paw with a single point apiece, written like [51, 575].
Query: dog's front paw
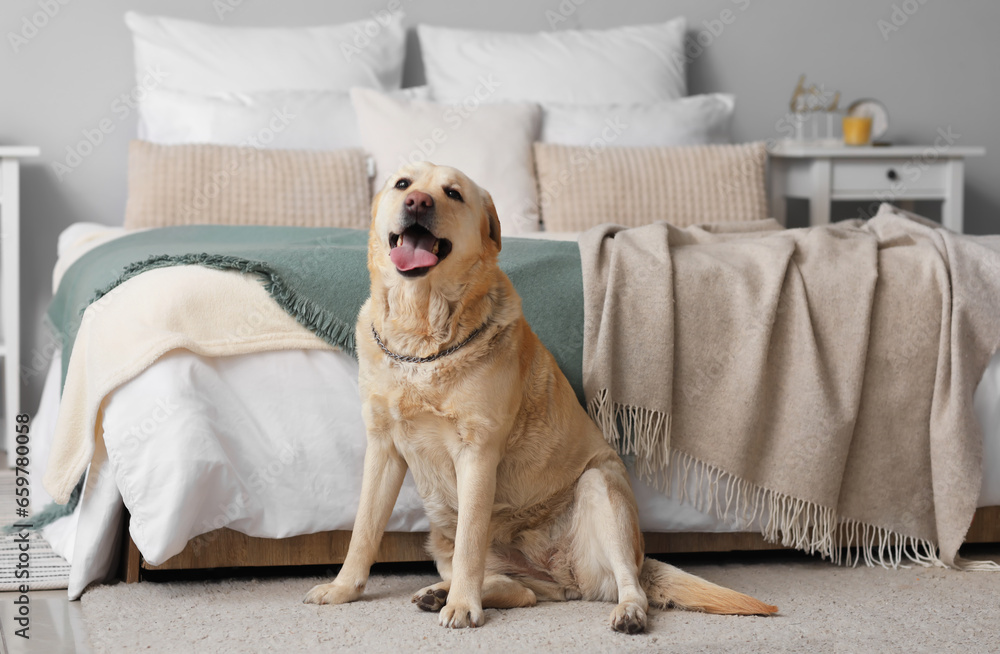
[459, 615]
[431, 598]
[628, 618]
[332, 593]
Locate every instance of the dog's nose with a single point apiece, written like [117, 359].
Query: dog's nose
[418, 203]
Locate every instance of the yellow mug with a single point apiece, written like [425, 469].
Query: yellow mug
[857, 130]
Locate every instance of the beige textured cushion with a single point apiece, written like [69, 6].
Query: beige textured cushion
[227, 185]
[580, 187]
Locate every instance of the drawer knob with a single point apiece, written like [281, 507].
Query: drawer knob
[892, 174]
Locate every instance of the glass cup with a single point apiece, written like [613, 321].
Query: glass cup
[857, 130]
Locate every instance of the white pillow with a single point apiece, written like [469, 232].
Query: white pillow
[694, 120]
[207, 59]
[622, 65]
[491, 143]
[285, 120]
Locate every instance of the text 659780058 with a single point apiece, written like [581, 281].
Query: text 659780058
[22, 500]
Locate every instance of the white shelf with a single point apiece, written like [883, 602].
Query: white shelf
[19, 151]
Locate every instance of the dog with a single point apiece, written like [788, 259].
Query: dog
[527, 502]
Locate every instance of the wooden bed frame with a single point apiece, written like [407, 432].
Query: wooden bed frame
[225, 548]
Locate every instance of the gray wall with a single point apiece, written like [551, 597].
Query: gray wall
[939, 69]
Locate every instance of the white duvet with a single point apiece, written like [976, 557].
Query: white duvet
[272, 444]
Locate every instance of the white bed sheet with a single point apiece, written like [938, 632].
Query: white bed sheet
[272, 445]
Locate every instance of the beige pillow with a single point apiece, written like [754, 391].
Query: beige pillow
[228, 185]
[579, 187]
[491, 143]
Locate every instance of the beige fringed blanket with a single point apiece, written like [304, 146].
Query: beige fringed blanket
[826, 374]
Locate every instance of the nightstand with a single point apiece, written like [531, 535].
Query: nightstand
[10, 285]
[823, 174]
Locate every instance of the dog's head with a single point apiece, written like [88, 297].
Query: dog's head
[429, 221]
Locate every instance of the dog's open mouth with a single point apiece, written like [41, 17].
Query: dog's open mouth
[416, 250]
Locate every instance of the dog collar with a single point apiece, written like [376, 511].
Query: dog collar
[433, 357]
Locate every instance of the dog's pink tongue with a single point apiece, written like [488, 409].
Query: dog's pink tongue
[414, 252]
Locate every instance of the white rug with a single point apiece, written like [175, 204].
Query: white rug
[823, 609]
[47, 570]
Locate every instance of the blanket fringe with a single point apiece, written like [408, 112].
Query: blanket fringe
[784, 520]
[634, 430]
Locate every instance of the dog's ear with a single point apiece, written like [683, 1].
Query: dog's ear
[491, 213]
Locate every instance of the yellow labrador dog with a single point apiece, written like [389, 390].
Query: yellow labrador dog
[527, 501]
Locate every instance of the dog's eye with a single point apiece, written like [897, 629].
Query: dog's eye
[403, 183]
[453, 194]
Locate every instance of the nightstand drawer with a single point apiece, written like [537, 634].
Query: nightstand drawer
[898, 177]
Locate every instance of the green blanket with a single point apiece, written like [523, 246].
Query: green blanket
[320, 277]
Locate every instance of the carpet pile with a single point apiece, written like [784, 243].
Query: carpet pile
[823, 608]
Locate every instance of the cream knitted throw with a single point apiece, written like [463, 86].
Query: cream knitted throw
[827, 374]
[206, 311]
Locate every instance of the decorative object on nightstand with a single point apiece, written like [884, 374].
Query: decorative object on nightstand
[10, 289]
[823, 174]
[812, 106]
[877, 115]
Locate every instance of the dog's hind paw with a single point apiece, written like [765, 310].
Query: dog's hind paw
[432, 598]
[628, 618]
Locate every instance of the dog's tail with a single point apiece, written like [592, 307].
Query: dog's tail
[668, 586]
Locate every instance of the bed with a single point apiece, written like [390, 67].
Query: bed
[199, 465]
[209, 463]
